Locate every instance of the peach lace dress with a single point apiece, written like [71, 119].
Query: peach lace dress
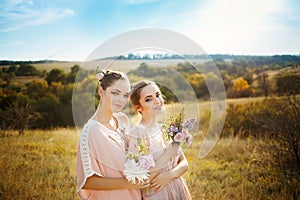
[102, 152]
[177, 188]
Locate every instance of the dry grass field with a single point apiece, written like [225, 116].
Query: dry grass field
[38, 165]
[41, 165]
[123, 65]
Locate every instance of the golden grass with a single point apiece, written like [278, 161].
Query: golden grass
[238, 169]
[123, 65]
[41, 165]
[38, 165]
[65, 66]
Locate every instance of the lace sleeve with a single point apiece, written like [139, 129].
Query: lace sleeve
[84, 161]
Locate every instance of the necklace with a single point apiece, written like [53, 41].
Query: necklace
[123, 137]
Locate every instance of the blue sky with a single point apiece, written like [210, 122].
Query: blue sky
[72, 29]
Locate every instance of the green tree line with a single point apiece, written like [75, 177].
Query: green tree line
[45, 100]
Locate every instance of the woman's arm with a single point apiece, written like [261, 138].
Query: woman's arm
[162, 161]
[158, 182]
[99, 183]
[172, 150]
[180, 168]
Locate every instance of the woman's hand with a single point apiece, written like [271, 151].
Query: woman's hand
[137, 186]
[162, 179]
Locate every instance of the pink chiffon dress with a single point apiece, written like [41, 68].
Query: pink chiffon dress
[102, 152]
[176, 189]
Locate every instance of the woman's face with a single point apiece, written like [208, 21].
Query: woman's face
[151, 100]
[116, 96]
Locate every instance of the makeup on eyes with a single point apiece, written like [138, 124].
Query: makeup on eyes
[118, 92]
[149, 97]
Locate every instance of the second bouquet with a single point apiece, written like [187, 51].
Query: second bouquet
[138, 164]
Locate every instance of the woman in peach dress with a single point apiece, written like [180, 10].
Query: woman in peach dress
[167, 183]
[102, 145]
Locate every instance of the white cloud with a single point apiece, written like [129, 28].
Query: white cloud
[18, 14]
[239, 26]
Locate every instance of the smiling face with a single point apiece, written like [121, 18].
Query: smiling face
[151, 101]
[116, 95]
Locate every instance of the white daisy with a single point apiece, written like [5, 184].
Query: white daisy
[134, 172]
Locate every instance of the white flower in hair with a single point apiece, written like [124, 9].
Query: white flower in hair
[100, 76]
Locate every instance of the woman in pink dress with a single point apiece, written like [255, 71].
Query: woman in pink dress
[102, 145]
[167, 183]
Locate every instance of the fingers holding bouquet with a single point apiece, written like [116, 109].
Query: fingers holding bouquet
[141, 185]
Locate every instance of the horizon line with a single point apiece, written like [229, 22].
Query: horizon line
[142, 58]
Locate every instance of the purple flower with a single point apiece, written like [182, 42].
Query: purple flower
[173, 129]
[190, 123]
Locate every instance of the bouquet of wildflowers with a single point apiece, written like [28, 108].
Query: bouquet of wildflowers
[177, 129]
[138, 164]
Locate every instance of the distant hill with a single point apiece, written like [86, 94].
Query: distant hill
[11, 62]
[277, 58]
[213, 56]
[131, 61]
[42, 65]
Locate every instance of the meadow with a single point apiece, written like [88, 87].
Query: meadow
[38, 165]
[41, 165]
